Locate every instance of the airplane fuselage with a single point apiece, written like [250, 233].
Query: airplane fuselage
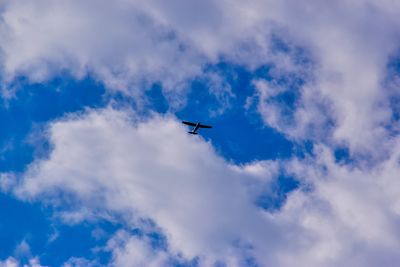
[195, 128]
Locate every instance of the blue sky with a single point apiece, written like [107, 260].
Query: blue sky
[300, 168]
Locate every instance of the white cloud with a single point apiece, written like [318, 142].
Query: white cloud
[12, 262]
[117, 43]
[350, 216]
[350, 43]
[22, 257]
[121, 43]
[128, 250]
[149, 169]
[9, 262]
[108, 162]
[127, 43]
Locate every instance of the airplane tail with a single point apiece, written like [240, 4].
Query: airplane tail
[192, 132]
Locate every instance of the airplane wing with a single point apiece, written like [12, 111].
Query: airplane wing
[204, 126]
[189, 123]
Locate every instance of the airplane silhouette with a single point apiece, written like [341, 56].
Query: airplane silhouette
[196, 126]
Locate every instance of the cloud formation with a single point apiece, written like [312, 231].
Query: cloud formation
[12, 262]
[128, 45]
[327, 80]
[350, 43]
[147, 170]
[108, 162]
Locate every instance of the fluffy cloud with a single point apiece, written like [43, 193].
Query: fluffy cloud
[343, 98]
[128, 250]
[349, 216]
[329, 58]
[117, 43]
[109, 162]
[22, 257]
[124, 44]
[152, 170]
[12, 262]
[9, 262]
[130, 44]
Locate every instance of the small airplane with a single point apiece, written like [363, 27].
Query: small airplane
[196, 126]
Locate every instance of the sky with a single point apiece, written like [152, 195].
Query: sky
[301, 167]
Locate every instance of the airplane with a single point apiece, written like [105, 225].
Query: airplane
[196, 126]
